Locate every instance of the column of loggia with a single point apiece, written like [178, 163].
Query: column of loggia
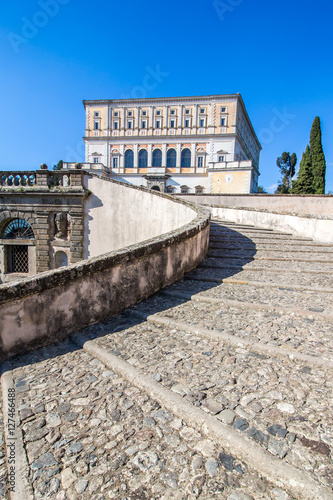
[136, 155]
[178, 158]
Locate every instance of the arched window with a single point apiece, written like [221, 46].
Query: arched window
[171, 158]
[170, 189]
[156, 188]
[129, 159]
[157, 158]
[185, 158]
[17, 229]
[60, 259]
[184, 189]
[143, 158]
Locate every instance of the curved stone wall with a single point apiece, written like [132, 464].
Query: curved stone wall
[48, 307]
[309, 216]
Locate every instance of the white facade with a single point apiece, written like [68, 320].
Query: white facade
[187, 143]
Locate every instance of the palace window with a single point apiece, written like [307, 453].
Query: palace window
[129, 124]
[199, 190]
[202, 122]
[143, 158]
[223, 109]
[96, 114]
[17, 229]
[200, 161]
[221, 159]
[115, 162]
[158, 124]
[96, 159]
[184, 189]
[185, 161]
[172, 123]
[96, 125]
[115, 125]
[144, 113]
[222, 122]
[202, 110]
[172, 112]
[129, 113]
[187, 123]
[170, 189]
[158, 112]
[187, 111]
[143, 124]
[129, 159]
[157, 158]
[115, 113]
[17, 256]
[171, 158]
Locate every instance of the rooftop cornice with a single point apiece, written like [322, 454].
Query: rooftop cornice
[151, 100]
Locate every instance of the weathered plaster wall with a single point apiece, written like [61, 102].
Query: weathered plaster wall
[321, 205]
[116, 216]
[48, 307]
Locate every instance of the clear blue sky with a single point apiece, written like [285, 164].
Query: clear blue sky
[278, 55]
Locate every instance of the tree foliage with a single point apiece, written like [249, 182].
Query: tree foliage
[304, 182]
[261, 189]
[287, 166]
[318, 158]
[59, 165]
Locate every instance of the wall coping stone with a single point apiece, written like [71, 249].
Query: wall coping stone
[265, 210]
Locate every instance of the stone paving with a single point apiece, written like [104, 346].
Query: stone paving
[90, 433]
[304, 334]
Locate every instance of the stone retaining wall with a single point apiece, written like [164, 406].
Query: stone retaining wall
[293, 218]
[306, 204]
[48, 307]
[318, 229]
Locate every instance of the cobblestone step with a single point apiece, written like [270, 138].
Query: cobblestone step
[270, 256]
[248, 247]
[310, 313]
[90, 432]
[274, 296]
[236, 384]
[296, 334]
[297, 278]
[313, 267]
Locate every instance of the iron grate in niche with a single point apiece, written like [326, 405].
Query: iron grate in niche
[19, 262]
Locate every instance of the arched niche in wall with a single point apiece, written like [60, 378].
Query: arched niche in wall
[60, 259]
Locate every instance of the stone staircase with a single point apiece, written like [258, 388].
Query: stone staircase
[217, 387]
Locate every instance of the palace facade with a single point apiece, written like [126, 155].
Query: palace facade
[203, 144]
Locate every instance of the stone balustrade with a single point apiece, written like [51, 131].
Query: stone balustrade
[18, 179]
[44, 179]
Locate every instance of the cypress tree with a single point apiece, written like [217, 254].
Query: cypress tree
[318, 158]
[304, 182]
